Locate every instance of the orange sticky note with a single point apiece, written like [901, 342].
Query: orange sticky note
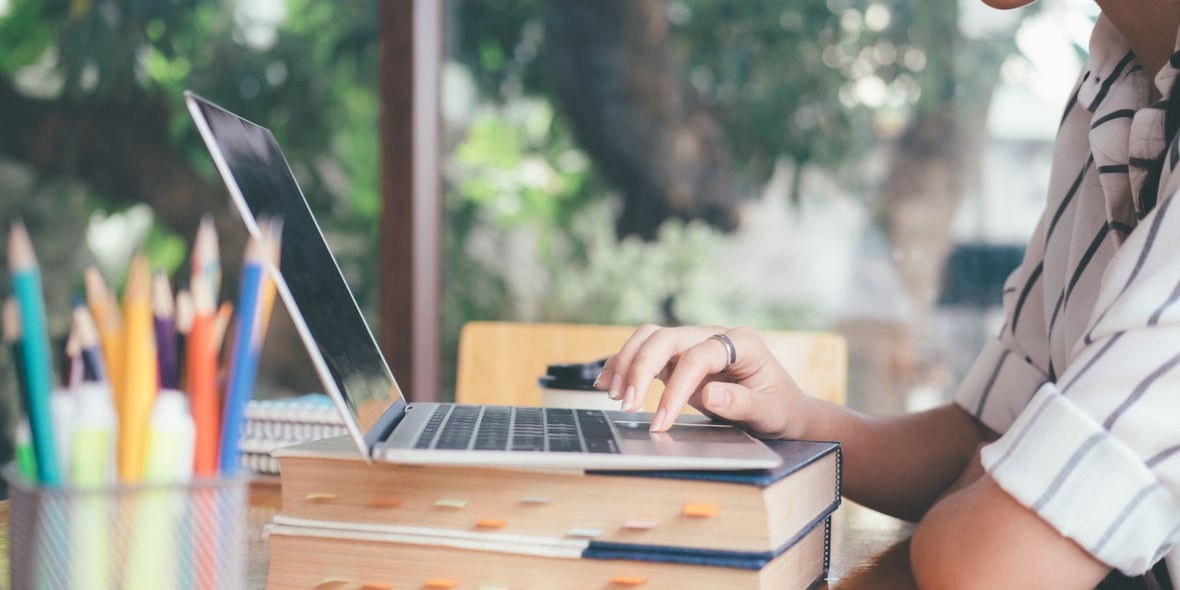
[385, 503]
[491, 523]
[700, 509]
[376, 586]
[329, 582]
[441, 583]
[628, 580]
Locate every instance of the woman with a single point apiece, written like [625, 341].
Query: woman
[1057, 465]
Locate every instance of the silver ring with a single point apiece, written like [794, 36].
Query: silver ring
[730, 351]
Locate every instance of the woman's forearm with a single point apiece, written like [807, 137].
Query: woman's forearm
[898, 464]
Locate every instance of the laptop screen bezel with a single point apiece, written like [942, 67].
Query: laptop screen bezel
[365, 441]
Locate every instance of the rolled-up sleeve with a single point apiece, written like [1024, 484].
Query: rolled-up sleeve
[1095, 453]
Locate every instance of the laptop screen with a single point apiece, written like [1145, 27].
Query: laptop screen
[311, 285]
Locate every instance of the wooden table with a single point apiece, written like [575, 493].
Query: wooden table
[869, 550]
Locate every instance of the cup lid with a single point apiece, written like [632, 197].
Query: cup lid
[579, 376]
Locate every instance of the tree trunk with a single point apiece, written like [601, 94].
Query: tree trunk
[619, 83]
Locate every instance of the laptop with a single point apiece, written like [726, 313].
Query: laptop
[380, 422]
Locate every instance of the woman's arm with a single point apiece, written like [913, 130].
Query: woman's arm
[979, 537]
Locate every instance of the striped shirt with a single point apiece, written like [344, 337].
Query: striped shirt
[1084, 380]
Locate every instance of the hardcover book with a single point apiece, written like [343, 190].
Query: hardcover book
[751, 512]
[305, 556]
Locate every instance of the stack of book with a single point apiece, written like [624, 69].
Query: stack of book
[344, 523]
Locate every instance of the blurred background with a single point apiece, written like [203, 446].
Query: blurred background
[871, 167]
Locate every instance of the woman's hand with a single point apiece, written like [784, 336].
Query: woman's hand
[754, 389]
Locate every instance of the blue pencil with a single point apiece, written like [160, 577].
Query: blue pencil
[244, 362]
[26, 285]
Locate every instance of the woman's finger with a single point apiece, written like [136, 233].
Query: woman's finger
[650, 359]
[694, 366]
[611, 378]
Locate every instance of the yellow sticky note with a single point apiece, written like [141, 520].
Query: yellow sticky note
[628, 580]
[329, 582]
[700, 509]
[321, 497]
[450, 503]
[639, 525]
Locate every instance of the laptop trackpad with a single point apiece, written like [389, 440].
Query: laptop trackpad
[680, 440]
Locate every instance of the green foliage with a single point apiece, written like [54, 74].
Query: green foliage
[309, 74]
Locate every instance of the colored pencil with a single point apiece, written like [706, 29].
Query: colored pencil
[12, 338]
[26, 282]
[246, 343]
[164, 322]
[202, 381]
[140, 377]
[92, 356]
[206, 261]
[184, 325]
[75, 367]
[109, 320]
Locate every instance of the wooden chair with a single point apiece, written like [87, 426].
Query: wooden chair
[499, 362]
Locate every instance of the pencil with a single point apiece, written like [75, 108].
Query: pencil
[92, 356]
[12, 338]
[108, 319]
[206, 261]
[184, 325]
[164, 322]
[244, 362]
[74, 367]
[26, 283]
[140, 375]
[202, 381]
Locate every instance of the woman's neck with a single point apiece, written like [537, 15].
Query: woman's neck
[1149, 26]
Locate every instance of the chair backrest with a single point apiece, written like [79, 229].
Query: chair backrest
[499, 362]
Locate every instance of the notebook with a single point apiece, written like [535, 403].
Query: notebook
[378, 418]
[273, 424]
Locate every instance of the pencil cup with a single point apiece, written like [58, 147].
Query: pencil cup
[128, 536]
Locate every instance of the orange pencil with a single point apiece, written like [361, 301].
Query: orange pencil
[140, 374]
[108, 320]
[202, 381]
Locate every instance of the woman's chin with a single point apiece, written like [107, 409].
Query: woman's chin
[1007, 4]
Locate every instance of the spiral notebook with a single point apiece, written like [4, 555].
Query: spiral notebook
[276, 423]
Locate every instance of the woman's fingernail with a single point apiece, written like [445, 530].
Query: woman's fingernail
[657, 423]
[719, 398]
[599, 380]
[629, 398]
[616, 381]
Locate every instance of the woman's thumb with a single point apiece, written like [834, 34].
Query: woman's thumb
[727, 400]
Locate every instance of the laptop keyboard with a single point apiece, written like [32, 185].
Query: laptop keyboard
[505, 428]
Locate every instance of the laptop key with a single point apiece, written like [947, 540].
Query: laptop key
[528, 430]
[494, 429]
[458, 429]
[596, 432]
[432, 426]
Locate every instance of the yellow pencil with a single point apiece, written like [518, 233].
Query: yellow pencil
[107, 318]
[140, 379]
